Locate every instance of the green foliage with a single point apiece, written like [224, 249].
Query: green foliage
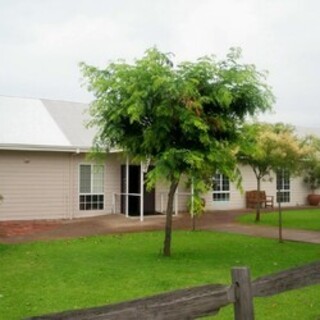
[270, 147]
[312, 162]
[44, 277]
[196, 204]
[185, 118]
[308, 219]
[197, 207]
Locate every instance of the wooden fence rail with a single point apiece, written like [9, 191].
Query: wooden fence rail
[202, 301]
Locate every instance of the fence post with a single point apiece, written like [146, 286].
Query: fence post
[243, 306]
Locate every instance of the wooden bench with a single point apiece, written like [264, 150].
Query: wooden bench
[254, 197]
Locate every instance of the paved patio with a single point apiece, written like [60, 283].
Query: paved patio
[25, 231]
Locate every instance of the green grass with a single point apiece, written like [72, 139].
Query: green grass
[44, 277]
[308, 219]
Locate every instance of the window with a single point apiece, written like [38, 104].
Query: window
[221, 187]
[91, 187]
[283, 186]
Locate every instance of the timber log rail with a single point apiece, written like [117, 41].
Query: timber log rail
[202, 301]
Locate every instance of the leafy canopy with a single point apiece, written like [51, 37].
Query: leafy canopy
[271, 147]
[312, 162]
[268, 147]
[184, 117]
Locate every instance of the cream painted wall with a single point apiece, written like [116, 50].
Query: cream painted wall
[35, 185]
[181, 198]
[45, 185]
[298, 191]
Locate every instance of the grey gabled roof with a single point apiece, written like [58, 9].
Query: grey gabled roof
[39, 124]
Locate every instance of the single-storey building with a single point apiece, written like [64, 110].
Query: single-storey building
[45, 172]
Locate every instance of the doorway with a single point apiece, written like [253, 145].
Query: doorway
[134, 189]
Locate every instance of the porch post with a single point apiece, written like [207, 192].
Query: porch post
[141, 191]
[114, 202]
[127, 188]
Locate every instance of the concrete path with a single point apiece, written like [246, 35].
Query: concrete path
[227, 223]
[218, 221]
[269, 232]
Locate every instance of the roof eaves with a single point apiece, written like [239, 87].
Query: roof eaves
[30, 147]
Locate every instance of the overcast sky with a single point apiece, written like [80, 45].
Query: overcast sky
[42, 42]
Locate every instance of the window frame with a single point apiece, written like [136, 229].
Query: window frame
[284, 192]
[223, 194]
[88, 201]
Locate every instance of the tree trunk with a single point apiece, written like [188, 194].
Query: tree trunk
[168, 227]
[259, 203]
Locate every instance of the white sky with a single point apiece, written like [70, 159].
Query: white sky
[42, 42]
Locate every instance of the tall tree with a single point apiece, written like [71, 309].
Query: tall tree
[270, 147]
[185, 118]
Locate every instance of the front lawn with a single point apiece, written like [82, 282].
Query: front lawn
[308, 219]
[44, 277]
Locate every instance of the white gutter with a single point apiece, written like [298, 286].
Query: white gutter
[25, 147]
[18, 147]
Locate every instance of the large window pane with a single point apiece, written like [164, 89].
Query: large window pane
[85, 178]
[91, 187]
[221, 188]
[283, 186]
[98, 179]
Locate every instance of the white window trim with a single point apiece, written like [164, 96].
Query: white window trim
[91, 182]
[225, 192]
[283, 185]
